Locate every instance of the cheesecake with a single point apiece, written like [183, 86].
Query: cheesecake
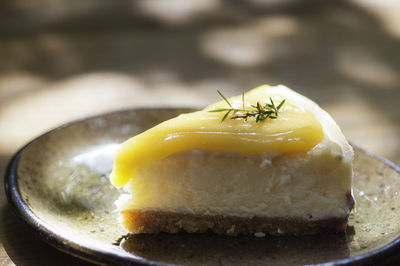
[226, 170]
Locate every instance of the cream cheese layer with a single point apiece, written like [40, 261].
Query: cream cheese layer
[297, 129]
[311, 185]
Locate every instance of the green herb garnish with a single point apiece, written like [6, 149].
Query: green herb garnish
[259, 112]
[119, 240]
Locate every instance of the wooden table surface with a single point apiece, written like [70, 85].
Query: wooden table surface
[62, 60]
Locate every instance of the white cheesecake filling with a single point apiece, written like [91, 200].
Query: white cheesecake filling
[312, 185]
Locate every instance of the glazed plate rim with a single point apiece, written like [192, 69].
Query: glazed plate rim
[96, 254]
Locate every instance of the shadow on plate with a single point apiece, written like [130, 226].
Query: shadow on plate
[211, 249]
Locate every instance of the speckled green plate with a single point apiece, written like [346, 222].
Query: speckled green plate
[58, 185]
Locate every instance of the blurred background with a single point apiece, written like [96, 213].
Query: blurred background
[63, 60]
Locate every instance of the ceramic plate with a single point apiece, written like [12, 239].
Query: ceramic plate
[58, 185]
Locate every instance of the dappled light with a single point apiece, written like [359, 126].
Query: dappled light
[387, 12]
[249, 45]
[353, 126]
[366, 67]
[175, 11]
[65, 60]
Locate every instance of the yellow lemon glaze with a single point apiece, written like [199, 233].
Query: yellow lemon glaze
[295, 130]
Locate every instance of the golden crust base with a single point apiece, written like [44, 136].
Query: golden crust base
[153, 222]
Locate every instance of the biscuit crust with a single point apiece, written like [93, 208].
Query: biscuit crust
[153, 222]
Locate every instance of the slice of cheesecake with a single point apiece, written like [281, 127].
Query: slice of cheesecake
[289, 175]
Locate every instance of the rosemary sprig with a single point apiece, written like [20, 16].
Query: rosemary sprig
[259, 112]
[120, 239]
